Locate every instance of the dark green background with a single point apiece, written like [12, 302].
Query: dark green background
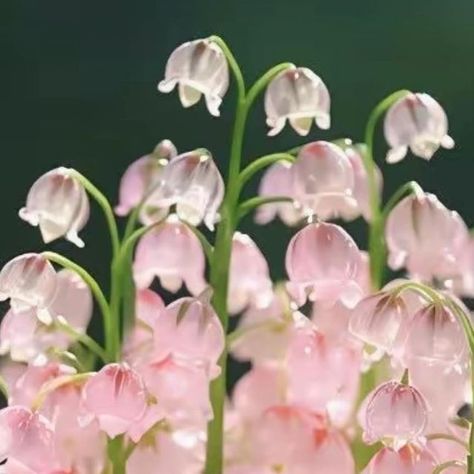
[79, 89]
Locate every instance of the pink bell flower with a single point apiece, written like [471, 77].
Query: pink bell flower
[249, 275]
[298, 95]
[173, 253]
[322, 262]
[396, 414]
[58, 204]
[30, 282]
[425, 237]
[116, 398]
[193, 183]
[198, 68]
[416, 121]
[323, 180]
[278, 181]
[142, 176]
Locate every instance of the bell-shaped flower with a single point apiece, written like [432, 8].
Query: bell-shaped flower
[193, 183]
[172, 252]
[425, 237]
[30, 282]
[58, 204]
[435, 335]
[416, 121]
[198, 68]
[298, 95]
[396, 414]
[278, 181]
[142, 176]
[408, 460]
[323, 181]
[249, 275]
[116, 398]
[322, 262]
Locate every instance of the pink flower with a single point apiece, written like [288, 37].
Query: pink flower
[425, 237]
[142, 176]
[418, 122]
[396, 414]
[322, 262]
[278, 181]
[30, 282]
[58, 204]
[299, 96]
[173, 253]
[116, 397]
[198, 68]
[193, 183]
[324, 181]
[249, 276]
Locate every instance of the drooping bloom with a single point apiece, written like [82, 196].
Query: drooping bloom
[395, 414]
[323, 180]
[278, 181]
[193, 183]
[173, 253]
[116, 398]
[298, 95]
[425, 237]
[198, 68]
[58, 204]
[249, 275]
[322, 262]
[141, 177]
[416, 121]
[30, 282]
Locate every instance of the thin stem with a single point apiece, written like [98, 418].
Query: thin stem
[4, 388]
[253, 203]
[104, 204]
[132, 221]
[116, 455]
[446, 465]
[412, 187]
[261, 163]
[110, 348]
[448, 437]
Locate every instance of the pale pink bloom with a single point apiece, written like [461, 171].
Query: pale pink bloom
[462, 283]
[322, 262]
[193, 183]
[396, 414]
[447, 450]
[425, 237]
[435, 335]
[278, 181]
[30, 282]
[198, 68]
[298, 95]
[249, 275]
[381, 320]
[408, 460]
[172, 252]
[416, 121]
[142, 176]
[189, 331]
[323, 181]
[26, 439]
[116, 397]
[58, 204]
[333, 322]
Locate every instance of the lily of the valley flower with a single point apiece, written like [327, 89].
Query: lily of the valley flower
[58, 204]
[299, 96]
[198, 68]
[416, 121]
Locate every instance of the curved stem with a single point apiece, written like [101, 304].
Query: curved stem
[132, 221]
[446, 465]
[253, 203]
[261, 163]
[412, 187]
[110, 342]
[447, 437]
[3, 388]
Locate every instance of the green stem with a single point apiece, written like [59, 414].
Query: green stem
[261, 163]
[446, 465]
[3, 388]
[110, 348]
[448, 437]
[116, 454]
[253, 203]
[412, 187]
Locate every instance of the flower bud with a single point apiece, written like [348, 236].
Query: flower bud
[58, 204]
[416, 121]
[198, 68]
[298, 95]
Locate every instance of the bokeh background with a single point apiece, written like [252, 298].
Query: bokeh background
[79, 89]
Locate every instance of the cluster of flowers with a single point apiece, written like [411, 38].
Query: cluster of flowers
[368, 379]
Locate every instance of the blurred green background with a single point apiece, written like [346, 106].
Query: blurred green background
[79, 89]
